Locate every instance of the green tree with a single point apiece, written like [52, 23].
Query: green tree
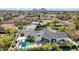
[61, 29]
[46, 47]
[5, 42]
[1, 19]
[55, 20]
[76, 21]
[13, 30]
[6, 30]
[1, 44]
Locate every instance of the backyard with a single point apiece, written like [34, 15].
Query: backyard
[58, 28]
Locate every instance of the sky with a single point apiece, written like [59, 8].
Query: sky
[39, 3]
[48, 4]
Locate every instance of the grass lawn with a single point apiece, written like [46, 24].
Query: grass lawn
[47, 21]
[30, 42]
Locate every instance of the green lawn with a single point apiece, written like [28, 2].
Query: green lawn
[59, 27]
[55, 26]
[30, 41]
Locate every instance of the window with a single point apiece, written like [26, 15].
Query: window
[54, 40]
[22, 34]
[38, 35]
[28, 36]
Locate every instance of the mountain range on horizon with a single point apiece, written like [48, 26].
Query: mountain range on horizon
[43, 9]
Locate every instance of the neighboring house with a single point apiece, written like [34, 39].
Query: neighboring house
[37, 23]
[21, 16]
[47, 16]
[8, 26]
[8, 22]
[34, 18]
[50, 16]
[62, 24]
[77, 32]
[31, 27]
[6, 16]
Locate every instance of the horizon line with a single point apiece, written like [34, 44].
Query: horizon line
[51, 9]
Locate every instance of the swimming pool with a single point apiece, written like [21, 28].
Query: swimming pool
[24, 45]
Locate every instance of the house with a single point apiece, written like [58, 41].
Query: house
[31, 26]
[27, 32]
[8, 26]
[6, 16]
[45, 36]
[21, 39]
[34, 18]
[54, 35]
[50, 16]
[21, 17]
[77, 32]
[63, 23]
[47, 16]
[37, 23]
[8, 22]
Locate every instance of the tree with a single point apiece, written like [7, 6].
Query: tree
[1, 44]
[38, 17]
[5, 42]
[6, 30]
[76, 21]
[1, 19]
[55, 20]
[62, 29]
[20, 26]
[29, 14]
[46, 47]
[65, 47]
[13, 30]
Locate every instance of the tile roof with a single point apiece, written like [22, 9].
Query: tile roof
[55, 35]
[44, 33]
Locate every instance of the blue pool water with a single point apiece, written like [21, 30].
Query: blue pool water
[24, 45]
